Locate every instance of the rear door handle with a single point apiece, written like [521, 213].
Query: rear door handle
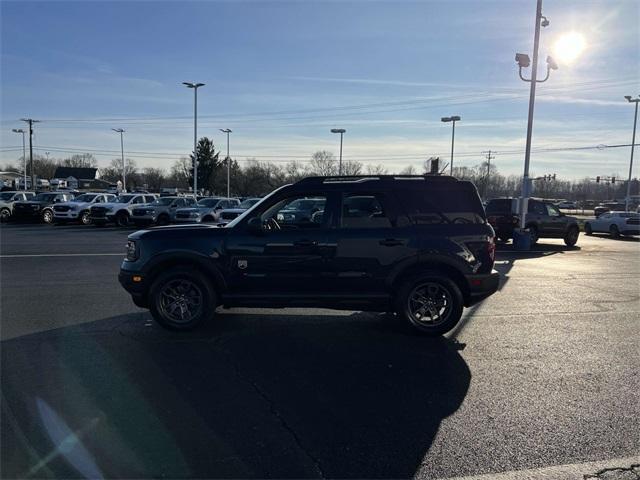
[391, 242]
[305, 243]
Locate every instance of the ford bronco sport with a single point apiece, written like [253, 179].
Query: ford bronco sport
[419, 246]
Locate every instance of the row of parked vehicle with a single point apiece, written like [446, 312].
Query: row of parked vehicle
[98, 208]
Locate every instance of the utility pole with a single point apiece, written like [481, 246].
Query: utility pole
[31, 121]
[633, 142]
[228, 131]
[489, 157]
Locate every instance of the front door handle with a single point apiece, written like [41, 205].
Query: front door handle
[305, 243]
[391, 242]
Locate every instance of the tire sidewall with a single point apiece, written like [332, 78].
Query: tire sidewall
[614, 231]
[569, 242]
[5, 215]
[85, 218]
[47, 214]
[456, 298]
[122, 219]
[587, 229]
[209, 301]
[533, 231]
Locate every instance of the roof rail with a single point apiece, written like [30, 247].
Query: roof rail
[371, 178]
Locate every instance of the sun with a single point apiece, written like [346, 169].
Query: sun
[569, 47]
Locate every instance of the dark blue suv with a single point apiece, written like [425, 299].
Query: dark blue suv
[419, 246]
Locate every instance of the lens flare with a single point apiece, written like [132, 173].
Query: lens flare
[569, 47]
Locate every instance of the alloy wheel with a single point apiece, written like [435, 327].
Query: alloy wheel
[429, 304]
[180, 300]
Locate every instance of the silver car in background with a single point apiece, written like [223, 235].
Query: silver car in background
[79, 209]
[160, 212]
[207, 210]
[7, 199]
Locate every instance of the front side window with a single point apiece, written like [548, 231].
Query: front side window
[363, 211]
[297, 212]
[537, 208]
[552, 211]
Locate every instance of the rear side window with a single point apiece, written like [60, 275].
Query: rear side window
[438, 204]
[537, 208]
[499, 205]
[364, 211]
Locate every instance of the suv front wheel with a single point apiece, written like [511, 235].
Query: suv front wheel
[431, 303]
[181, 299]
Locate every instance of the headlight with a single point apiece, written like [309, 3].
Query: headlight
[132, 251]
[194, 214]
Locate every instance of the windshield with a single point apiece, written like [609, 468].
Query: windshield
[124, 199]
[208, 202]
[249, 202]
[304, 204]
[85, 197]
[6, 195]
[246, 213]
[45, 197]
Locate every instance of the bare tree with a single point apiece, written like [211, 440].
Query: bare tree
[376, 170]
[351, 167]
[410, 170]
[82, 160]
[323, 163]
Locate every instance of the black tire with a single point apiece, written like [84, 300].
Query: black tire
[163, 220]
[47, 216]
[182, 283]
[446, 308]
[587, 229]
[85, 217]
[533, 232]
[5, 215]
[571, 237]
[122, 219]
[613, 230]
[208, 219]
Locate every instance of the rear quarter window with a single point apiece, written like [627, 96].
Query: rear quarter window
[438, 204]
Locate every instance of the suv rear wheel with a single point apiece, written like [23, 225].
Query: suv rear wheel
[533, 231]
[5, 214]
[587, 229]
[613, 230]
[431, 303]
[181, 299]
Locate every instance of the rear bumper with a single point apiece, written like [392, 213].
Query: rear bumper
[482, 286]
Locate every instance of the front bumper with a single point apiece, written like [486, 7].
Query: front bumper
[187, 220]
[143, 219]
[482, 286]
[70, 215]
[135, 285]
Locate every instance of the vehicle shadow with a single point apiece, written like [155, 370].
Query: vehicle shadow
[250, 395]
[621, 238]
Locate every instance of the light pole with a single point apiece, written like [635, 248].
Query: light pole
[341, 131]
[24, 154]
[124, 167]
[523, 62]
[633, 141]
[453, 120]
[195, 87]
[227, 131]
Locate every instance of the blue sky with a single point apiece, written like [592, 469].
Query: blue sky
[282, 74]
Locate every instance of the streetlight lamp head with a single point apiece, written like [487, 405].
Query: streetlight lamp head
[455, 118]
[628, 97]
[119, 130]
[338, 130]
[193, 85]
[19, 130]
[226, 130]
[445, 119]
[544, 22]
[552, 63]
[523, 60]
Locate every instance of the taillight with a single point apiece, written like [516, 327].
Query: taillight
[491, 249]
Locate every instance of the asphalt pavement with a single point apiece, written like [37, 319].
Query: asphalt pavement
[539, 381]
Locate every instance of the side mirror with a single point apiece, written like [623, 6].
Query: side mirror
[254, 225]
